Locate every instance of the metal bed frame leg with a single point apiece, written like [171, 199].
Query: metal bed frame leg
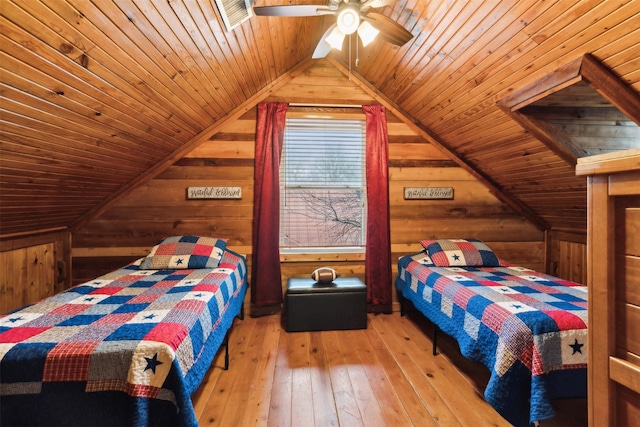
[403, 302]
[225, 342]
[435, 339]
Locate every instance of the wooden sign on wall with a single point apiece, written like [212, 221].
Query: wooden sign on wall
[428, 193]
[214, 192]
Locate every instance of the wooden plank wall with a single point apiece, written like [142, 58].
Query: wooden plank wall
[159, 208]
[567, 254]
[33, 268]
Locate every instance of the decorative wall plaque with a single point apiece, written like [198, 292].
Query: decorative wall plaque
[214, 192]
[428, 193]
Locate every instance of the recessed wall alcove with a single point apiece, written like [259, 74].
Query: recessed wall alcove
[578, 110]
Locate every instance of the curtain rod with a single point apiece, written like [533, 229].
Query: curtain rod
[295, 104]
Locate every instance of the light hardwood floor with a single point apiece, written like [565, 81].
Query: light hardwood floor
[382, 376]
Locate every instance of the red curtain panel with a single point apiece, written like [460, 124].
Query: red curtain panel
[266, 282]
[378, 248]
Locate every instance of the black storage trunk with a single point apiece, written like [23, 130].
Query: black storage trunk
[310, 306]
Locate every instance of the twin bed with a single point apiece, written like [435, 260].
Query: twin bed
[128, 348]
[528, 328]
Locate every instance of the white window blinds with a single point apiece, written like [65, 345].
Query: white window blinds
[322, 182]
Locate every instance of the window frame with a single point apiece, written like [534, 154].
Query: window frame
[347, 249]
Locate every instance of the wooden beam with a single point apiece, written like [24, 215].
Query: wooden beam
[198, 139]
[609, 162]
[611, 87]
[8, 237]
[421, 130]
[555, 81]
[601, 283]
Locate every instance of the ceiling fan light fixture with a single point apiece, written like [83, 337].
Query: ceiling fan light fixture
[367, 33]
[336, 38]
[348, 19]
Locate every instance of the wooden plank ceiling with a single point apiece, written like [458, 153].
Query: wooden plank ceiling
[98, 96]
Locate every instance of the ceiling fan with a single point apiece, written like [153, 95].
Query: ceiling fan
[351, 16]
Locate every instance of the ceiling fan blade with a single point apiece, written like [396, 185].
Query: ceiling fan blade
[293, 10]
[374, 4]
[389, 29]
[323, 48]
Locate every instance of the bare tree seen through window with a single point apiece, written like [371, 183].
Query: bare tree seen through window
[324, 218]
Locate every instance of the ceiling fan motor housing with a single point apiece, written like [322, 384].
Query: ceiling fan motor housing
[349, 18]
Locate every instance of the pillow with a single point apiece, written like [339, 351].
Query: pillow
[422, 257]
[182, 252]
[460, 252]
[324, 275]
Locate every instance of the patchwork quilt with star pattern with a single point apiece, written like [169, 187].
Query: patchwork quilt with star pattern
[128, 348]
[528, 328]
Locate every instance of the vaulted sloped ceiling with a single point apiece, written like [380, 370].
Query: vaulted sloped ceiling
[99, 96]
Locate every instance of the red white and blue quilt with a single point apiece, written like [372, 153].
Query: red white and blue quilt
[528, 328]
[128, 348]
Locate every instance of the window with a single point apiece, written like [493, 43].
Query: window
[322, 184]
